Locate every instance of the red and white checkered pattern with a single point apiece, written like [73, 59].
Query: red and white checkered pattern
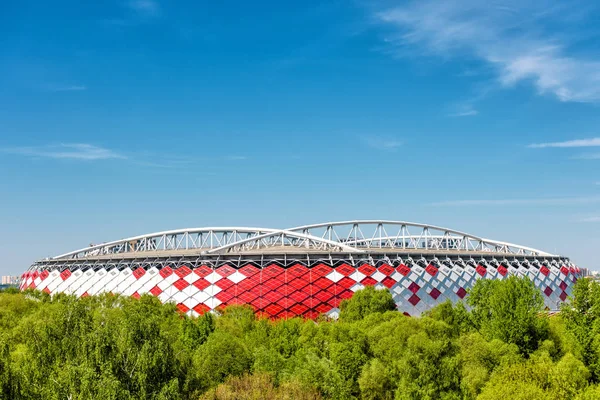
[297, 290]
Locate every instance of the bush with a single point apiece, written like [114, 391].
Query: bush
[111, 347]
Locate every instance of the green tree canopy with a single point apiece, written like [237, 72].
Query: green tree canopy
[366, 301]
[509, 310]
[500, 346]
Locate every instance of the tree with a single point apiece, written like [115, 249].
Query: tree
[223, 355]
[375, 382]
[113, 347]
[455, 315]
[508, 310]
[513, 390]
[592, 392]
[429, 369]
[538, 378]
[260, 387]
[479, 358]
[366, 301]
[582, 319]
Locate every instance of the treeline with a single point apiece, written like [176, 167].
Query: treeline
[501, 345]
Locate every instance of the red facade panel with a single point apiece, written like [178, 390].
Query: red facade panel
[413, 287]
[388, 282]
[201, 283]
[183, 271]
[481, 270]
[201, 308]
[65, 274]
[181, 284]
[272, 271]
[139, 272]
[367, 269]
[224, 283]
[563, 296]
[155, 291]
[203, 270]
[321, 270]
[345, 269]
[225, 270]
[431, 270]
[386, 269]
[414, 299]
[368, 281]
[165, 271]
[403, 269]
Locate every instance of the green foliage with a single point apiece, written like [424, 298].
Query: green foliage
[538, 378]
[222, 355]
[260, 387]
[111, 347]
[366, 301]
[375, 381]
[480, 358]
[456, 316]
[590, 393]
[509, 310]
[582, 320]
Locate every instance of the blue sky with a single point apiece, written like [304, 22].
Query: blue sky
[124, 117]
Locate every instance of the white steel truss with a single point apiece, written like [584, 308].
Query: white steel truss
[285, 238]
[183, 239]
[346, 236]
[401, 235]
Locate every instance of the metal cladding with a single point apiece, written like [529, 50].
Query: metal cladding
[303, 271]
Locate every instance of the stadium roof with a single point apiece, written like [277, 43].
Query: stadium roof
[351, 237]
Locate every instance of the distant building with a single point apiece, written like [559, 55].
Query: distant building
[10, 280]
[595, 275]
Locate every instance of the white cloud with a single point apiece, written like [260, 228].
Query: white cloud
[382, 143]
[588, 156]
[76, 151]
[595, 218]
[63, 88]
[556, 201]
[511, 36]
[464, 113]
[593, 142]
[146, 7]
[69, 88]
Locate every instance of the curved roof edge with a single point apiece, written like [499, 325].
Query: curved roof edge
[347, 236]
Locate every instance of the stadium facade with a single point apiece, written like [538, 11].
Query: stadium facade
[306, 271]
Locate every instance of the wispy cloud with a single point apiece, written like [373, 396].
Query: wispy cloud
[555, 201]
[466, 106]
[587, 156]
[75, 151]
[466, 112]
[517, 39]
[66, 88]
[141, 158]
[381, 142]
[148, 8]
[593, 142]
[595, 218]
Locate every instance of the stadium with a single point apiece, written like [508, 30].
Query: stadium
[302, 271]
